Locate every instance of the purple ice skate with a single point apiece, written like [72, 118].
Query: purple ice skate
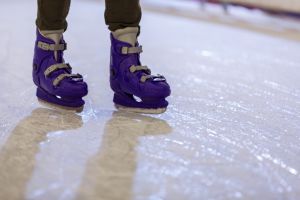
[135, 89]
[53, 77]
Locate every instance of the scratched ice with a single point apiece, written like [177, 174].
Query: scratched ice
[232, 130]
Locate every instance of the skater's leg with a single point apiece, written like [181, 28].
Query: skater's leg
[53, 77]
[120, 14]
[129, 78]
[52, 14]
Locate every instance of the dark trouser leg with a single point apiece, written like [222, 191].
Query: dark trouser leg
[122, 13]
[52, 14]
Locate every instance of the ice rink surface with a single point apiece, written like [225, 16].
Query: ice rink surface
[232, 130]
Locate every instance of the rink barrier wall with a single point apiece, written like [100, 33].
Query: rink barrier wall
[288, 7]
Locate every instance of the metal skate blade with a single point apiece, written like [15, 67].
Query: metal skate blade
[141, 110]
[56, 106]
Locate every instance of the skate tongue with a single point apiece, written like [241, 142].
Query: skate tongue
[56, 36]
[127, 35]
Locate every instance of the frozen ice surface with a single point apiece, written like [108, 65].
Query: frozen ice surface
[232, 130]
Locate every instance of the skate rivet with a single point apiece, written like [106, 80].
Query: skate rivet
[143, 79]
[35, 66]
[112, 72]
[125, 50]
[132, 69]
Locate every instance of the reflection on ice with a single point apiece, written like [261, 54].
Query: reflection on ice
[17, 156]
[113, 167]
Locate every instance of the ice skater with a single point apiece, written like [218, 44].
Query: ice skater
[128, 77]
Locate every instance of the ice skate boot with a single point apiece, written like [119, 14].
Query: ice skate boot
[135, 89]
[53, 77]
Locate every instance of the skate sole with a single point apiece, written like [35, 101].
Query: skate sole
[56, 106]
[141, 110]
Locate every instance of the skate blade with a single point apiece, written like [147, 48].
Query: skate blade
[141, 110]
[60, 107]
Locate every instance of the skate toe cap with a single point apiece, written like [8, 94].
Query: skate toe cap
[73, 89]
[158, 89]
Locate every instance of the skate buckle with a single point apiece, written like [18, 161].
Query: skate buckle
[159, 78]
[131, 50]
[75, 77]
[155, 78]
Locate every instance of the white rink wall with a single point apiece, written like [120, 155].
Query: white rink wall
[286, 5]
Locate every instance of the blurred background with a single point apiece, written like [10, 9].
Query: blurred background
[231, 130]
[275, 6]
[270, 16]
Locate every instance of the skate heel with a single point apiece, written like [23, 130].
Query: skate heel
[123, 99]
[60, 102]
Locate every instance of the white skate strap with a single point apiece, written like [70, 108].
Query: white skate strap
[52, 47]
[155, 78]
[134, 68]
[75, 77]
[131, 50]
[55, 67]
